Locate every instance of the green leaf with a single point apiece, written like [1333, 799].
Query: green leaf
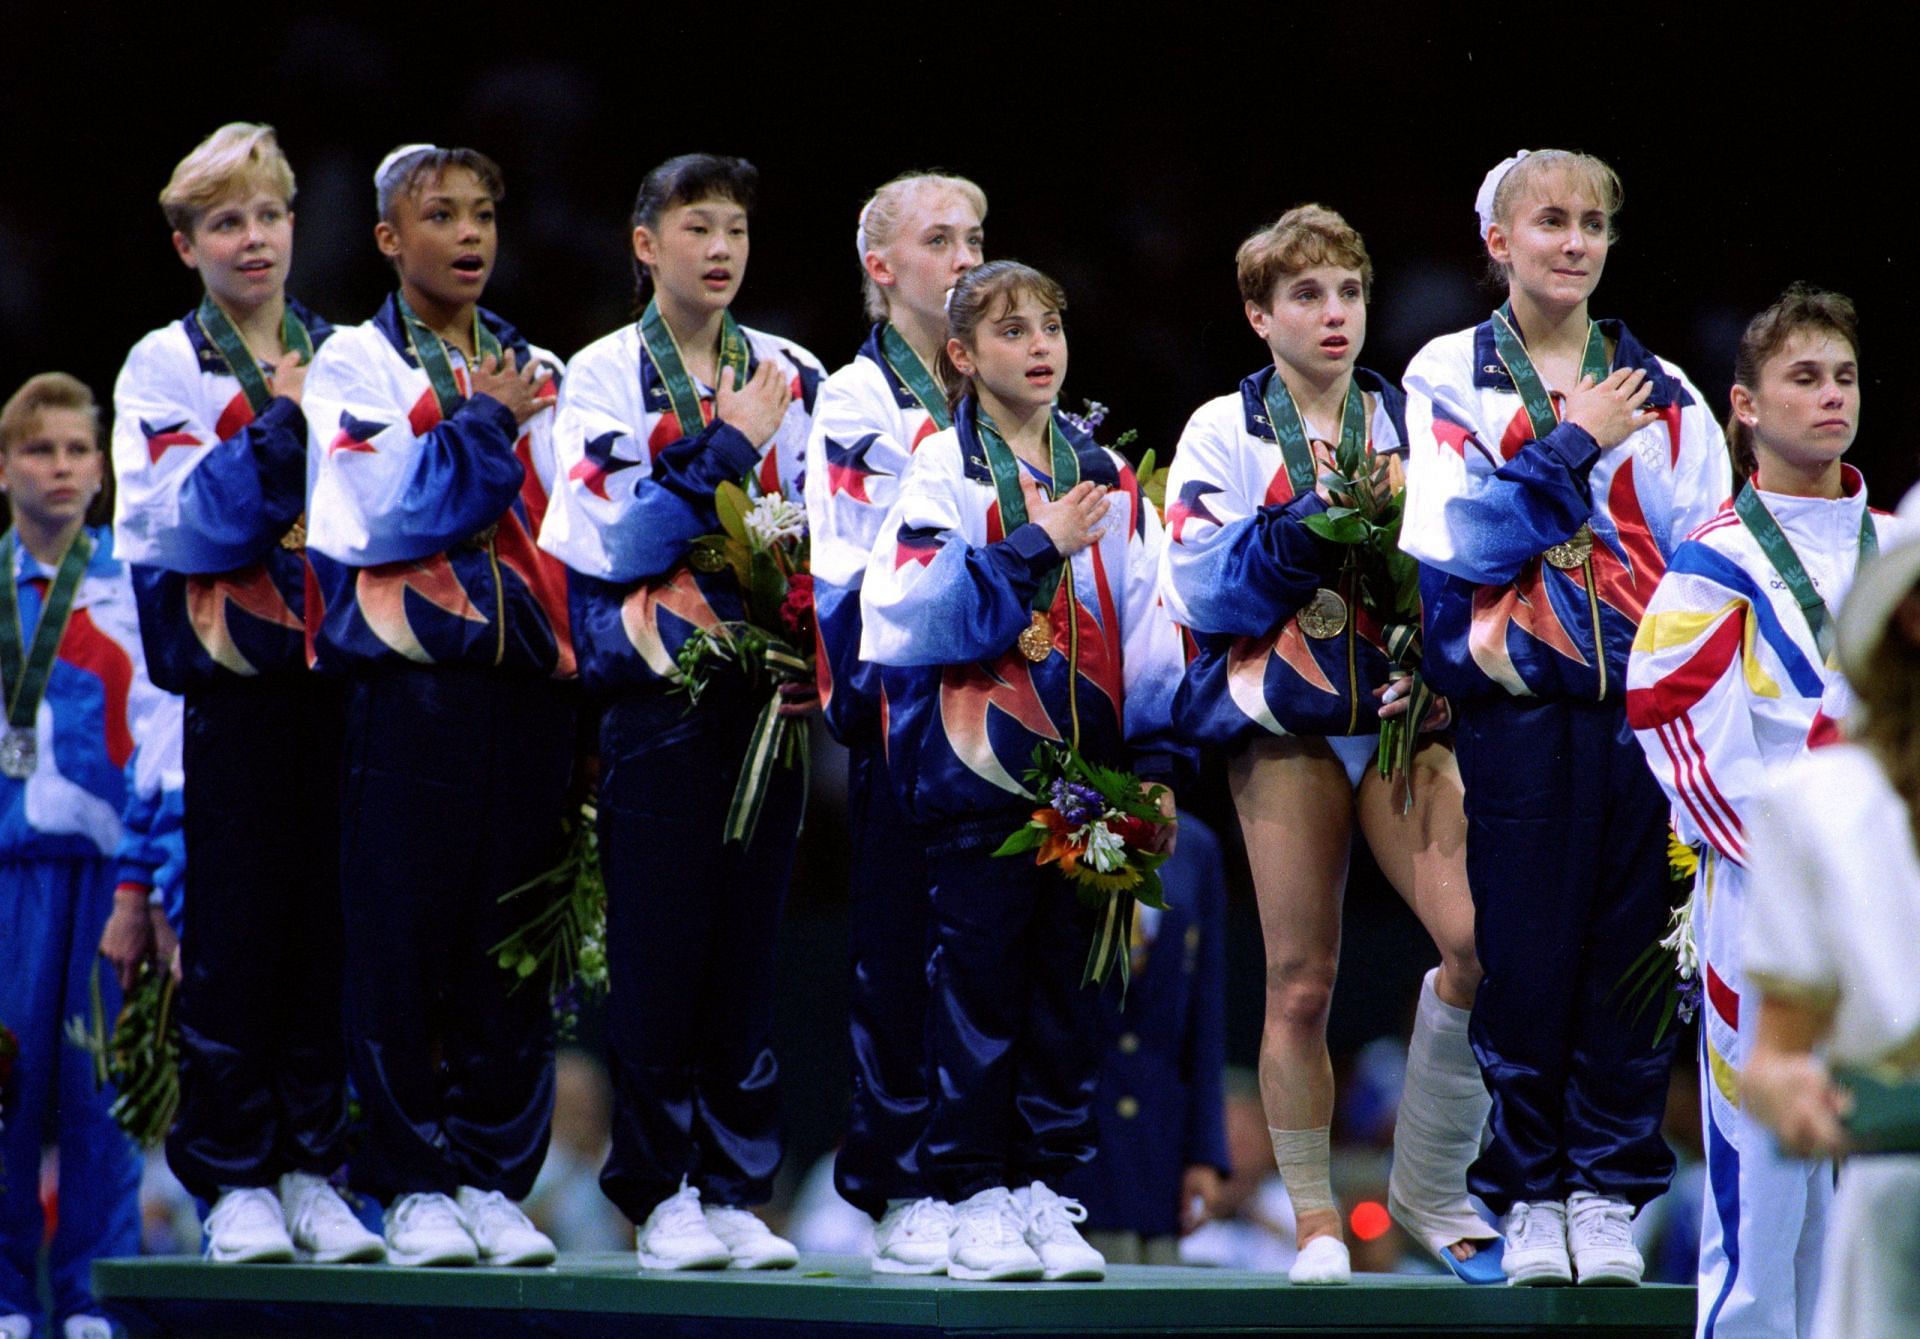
[1024, 839]
[731, 506]
[767, 592]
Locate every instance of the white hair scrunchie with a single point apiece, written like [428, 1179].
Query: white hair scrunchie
[1490, 186]
[860, 232]
[404, 151]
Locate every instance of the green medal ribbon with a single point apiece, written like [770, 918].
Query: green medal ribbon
[1006, 484]
[431, 351]
[664, 349]
[1290, 430]
[1533, 393]
[913, 375]
[1779, 550]
[23, 677]
[220, 332]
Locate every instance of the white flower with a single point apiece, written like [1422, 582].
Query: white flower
[1679, 941]
[1106, 850]
[774, 520]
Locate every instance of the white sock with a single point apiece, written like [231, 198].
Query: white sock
[1443, 1108]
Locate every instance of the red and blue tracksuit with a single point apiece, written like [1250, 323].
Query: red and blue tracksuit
[449, 628]
[1566, 838]
[691, 919]
[1241, 563]
[207, 509]
[866, 425]
[101, 809]
[1724, 688]
[1013, 1040]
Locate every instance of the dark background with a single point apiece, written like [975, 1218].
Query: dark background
[1124, 152]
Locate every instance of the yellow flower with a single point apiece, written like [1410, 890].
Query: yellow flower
[1117, 881]
[1682, 860]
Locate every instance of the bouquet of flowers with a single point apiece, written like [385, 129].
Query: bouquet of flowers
[1103, 828]
[141, 1055]
[763, 542]
[565, 940]
[1366, 519]
[1667, 972]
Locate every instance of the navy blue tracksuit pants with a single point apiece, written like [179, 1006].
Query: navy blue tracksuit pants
[456, 781]
[262, 1063]
[692, 924]
[1013, 1038]
[1566, 856]
[887, 932]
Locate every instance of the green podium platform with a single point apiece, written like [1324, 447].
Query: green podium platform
[586, 1296]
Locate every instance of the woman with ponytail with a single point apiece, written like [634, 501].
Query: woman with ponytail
[1555, 465]
[1010, 599]
[1832, 918]
[1727, 675]
[917, 236]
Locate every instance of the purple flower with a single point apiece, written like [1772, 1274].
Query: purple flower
[1076, 804]
[1688, 991]
[1096, 415]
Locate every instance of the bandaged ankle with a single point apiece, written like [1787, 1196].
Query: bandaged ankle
[1303, 1157]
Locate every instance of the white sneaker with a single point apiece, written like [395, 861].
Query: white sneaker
[502, 1232]
[428, 1229]
[988, 1242]
[247, 1227]
[676, 1235]
[86, 1327]
[323, 1228]
[911, 1237]
[16, 1326]
[1051, 1232]
[1536, 1251]
[1600, 1236]
[750, 1243]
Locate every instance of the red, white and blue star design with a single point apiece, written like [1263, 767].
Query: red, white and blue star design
[420, 529]
[865, 429]
[101, 727]
[205, 489]
[947, 593]
[637, 488]
[1485, 500]
[1240, 564]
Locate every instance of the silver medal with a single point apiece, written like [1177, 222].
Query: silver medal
[19, 753]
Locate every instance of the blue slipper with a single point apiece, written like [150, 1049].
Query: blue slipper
[1484, 1267]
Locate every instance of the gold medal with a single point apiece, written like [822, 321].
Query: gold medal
[1572, 551]
[1325, 615]
[1036, 639]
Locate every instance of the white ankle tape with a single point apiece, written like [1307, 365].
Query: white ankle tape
[1303, 1157]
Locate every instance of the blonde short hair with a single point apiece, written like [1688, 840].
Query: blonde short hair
[239, 155]
[882, 216]
[48, 390]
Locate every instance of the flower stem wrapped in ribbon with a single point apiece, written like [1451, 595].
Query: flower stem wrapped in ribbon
[1667, 972]
[1103, 829]
[141, 1055]
[564, 940]
[763, 542]
[1366, 518]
